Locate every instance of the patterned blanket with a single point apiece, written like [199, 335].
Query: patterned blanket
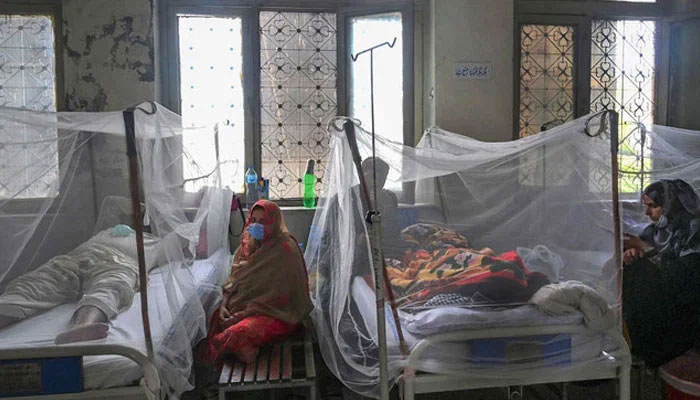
[441, 262]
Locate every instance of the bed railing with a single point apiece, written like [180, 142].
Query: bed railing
[620, 359]
[150, 372]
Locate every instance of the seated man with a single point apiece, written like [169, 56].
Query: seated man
[101, 275]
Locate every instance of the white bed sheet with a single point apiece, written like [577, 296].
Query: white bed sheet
[101, 372]
[449, 319]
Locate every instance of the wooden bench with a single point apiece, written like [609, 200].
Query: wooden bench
[289, 364]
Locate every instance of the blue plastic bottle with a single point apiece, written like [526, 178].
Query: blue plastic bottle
[251, 187]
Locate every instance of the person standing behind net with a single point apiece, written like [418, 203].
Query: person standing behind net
[661, 281]
[387, 205]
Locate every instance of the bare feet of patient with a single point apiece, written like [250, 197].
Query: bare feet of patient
[87, 323]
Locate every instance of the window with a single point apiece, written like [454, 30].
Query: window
[28, 81]
[623, 79]
[273, 77]
[211, 91]
[367, 31]
[565, 74]
[298, 96]
[546, 75]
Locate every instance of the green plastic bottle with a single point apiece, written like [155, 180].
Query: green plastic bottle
[309, 181]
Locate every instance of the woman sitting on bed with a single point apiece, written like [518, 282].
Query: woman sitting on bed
[661, 281]
[267, 296]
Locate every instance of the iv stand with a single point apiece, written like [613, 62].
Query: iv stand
[373, 218]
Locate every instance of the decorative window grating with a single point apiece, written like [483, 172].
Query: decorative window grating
[27, 80]
[623, 79]
[547, 75]
[297, 95]
[211, 91]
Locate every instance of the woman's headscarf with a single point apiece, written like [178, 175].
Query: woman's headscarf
[270, 275]
[677, 231]
[274, 225]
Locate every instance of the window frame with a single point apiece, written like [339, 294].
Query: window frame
[407, 194]
[171, 70]
[54, 10]
[582, 59]
[249, 10]
[582, 14]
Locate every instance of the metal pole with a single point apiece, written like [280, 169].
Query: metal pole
[614, 139]
[138, 223]
[371, 102]
[375, 220]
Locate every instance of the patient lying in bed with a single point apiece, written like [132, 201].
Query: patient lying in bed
[101, 275]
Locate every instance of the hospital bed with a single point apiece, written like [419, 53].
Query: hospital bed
[118, 367]
[443, 345]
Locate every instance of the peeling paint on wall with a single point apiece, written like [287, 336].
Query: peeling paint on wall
[109, 63]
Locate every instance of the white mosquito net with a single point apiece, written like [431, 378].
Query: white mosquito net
[500, 235]
[68, 241]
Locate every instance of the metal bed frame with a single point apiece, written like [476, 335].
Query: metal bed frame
[150, 384]
[616, 366]
[150, 388]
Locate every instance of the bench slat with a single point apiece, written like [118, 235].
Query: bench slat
[309, 358]
[226, 372]
[286, 361]
[249, 373]
[275, 363]
[237, 373]
[263, 359]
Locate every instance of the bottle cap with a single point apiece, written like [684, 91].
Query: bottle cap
[310, 166]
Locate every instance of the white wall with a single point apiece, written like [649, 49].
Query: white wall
[472, 31]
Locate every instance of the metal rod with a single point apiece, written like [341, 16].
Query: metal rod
[611, 119]
[364, 193]
[131, 153]
[614, 145]
[349, 127]
[391, 45]
[371, 102]
[218, 157]
[374, 218]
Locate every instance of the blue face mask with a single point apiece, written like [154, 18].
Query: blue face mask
[257, 231]
[122, 230]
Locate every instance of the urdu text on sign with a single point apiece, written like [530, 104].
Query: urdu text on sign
[473, 71]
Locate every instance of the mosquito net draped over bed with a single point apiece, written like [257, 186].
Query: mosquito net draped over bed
[500, 236]
[67, 236]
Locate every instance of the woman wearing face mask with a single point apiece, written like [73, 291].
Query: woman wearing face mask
[266, 297]
[661, 280]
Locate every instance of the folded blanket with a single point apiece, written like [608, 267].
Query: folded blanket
[571, 296]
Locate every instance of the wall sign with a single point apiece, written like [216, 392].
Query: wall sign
[473, 71]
